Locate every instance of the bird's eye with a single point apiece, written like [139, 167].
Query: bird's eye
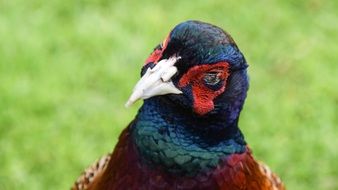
[212, 78]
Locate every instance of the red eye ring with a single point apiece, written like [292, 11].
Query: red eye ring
[203, 95]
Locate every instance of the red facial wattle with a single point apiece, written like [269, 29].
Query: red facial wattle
[156, 55]
[203, 96]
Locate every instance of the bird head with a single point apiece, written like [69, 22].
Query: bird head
[199, 68]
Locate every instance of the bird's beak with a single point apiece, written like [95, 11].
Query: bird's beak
[156, 81]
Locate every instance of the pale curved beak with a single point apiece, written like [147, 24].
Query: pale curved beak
[156, 81]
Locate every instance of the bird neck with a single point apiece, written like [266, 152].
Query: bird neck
[178, 142]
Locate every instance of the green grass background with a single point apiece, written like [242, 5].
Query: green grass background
[67, 68]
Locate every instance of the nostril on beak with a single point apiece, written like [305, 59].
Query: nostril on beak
[166, 76]
[156, 81]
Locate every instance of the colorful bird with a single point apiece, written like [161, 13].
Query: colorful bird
[186, 134]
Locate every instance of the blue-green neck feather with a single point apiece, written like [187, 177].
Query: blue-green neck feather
[180, 143]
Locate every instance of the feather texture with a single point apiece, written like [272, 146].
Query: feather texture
[91, 174]
[125, 170]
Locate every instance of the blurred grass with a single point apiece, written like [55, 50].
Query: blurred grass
[67, 67]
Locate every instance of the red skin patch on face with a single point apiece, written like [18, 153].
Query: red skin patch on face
[203, 96]
[157, 53]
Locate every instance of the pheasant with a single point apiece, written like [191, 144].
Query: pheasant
[186, 134]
